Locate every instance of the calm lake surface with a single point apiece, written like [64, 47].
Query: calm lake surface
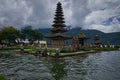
[97, 66]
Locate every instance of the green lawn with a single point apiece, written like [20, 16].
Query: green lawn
[2, 77]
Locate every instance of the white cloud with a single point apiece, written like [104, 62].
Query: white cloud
[102, 10]
[113, 27]
[106, 29]
[14, 12]
[40, 13]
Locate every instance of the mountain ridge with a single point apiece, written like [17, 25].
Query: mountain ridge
[105, 38]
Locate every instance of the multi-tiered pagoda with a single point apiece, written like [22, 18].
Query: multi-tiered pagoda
[97, 41]
[58, 35]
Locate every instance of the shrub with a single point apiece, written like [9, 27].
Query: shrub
[29, 47]
[117, 46]
[2, 77]
[10, 48]
[66, 51]
[51, 50]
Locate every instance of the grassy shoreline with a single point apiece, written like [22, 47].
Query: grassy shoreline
[32, 50]
[53, 54]
[81, 52]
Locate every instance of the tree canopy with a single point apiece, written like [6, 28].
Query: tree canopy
[31, 34]
[9, 34]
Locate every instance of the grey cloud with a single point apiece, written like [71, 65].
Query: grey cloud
[80, 11]
[88, 14]
[102, 10]
[13, 12]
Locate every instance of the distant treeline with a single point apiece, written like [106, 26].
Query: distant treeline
[105, 38]
[10, 34]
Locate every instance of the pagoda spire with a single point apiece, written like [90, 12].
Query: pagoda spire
[58, 23]
[58, 35]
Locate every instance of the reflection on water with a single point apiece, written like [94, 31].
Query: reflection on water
[98, 66]
[57, 69]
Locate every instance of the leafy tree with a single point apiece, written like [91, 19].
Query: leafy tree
[31, 34]
[37, 35]
[0, 37]
[9, 34]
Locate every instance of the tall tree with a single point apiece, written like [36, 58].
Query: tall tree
[31, 34]
[0, 37]
[9, 34]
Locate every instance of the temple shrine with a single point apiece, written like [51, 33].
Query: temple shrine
[79, 41]
[58, 31]
[97, 41]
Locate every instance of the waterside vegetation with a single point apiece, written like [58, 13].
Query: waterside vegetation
[10, 40]
[63, 53]
[2, 77]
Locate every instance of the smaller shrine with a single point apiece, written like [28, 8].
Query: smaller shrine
[79, 41]
[97, 41]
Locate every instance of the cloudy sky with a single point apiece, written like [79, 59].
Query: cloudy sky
[103, 15]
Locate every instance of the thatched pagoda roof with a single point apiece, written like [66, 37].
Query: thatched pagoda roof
[58, 30]
[58, 35]
[82, 36]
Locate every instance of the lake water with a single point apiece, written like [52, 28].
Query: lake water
[96, 66]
